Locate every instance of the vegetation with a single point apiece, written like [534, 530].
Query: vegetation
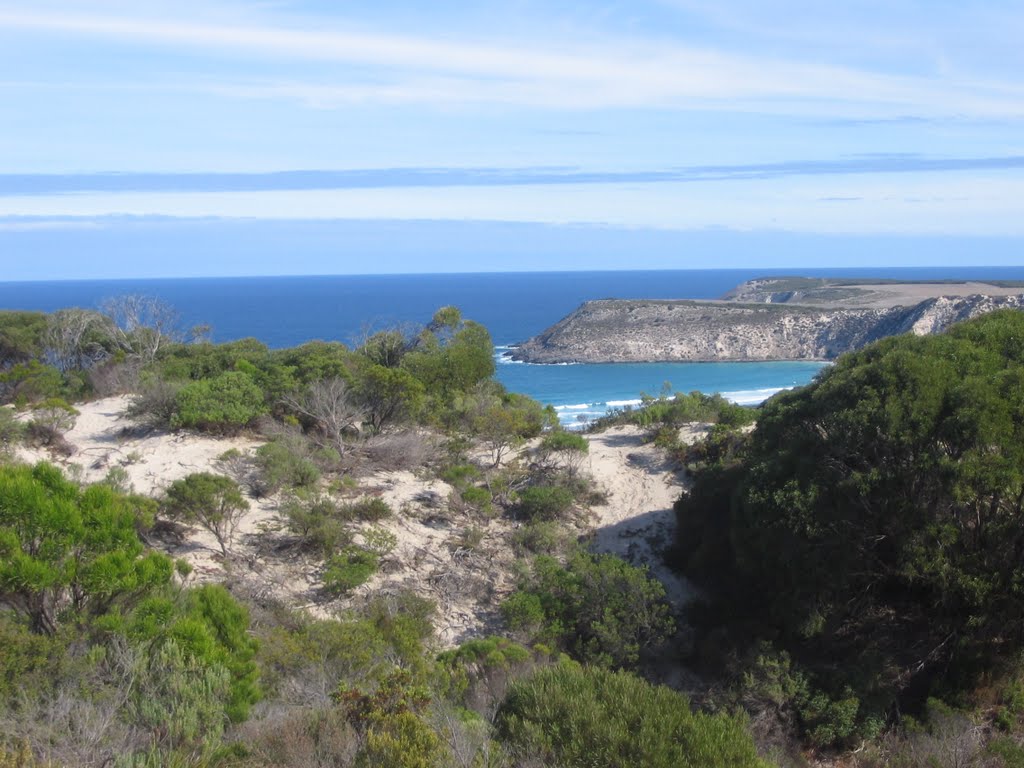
[212, 501]
[570, 715]
[870, 529]
[598, 607]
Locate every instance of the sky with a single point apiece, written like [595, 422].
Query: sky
[220, 137]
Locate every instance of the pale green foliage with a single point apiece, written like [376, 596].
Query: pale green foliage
[181, 697]
[568, 715]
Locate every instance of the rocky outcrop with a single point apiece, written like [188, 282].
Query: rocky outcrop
[633, 331]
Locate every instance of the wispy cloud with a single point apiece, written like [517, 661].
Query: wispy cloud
[392, 178]
[616, 73]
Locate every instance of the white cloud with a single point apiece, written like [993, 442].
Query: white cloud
[367, 67]
[960, 204]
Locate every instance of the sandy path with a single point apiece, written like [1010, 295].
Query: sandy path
[637, 523]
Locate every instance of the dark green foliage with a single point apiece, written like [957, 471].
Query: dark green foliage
[348, 569]
[318, 521]
[544, 502]
[873, 524]
[568, 715]
[68, 554]
[224, 404]
[598, 607]
[213, 501]
[31, 381]
[371, 509]
[388, 395]
[21, 337]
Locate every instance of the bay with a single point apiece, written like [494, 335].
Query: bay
[285, 311]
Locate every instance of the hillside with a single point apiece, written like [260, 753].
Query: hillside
[771, 319]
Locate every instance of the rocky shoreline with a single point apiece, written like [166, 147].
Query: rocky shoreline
[635, 331]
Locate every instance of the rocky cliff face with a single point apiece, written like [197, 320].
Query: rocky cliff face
[633, 331]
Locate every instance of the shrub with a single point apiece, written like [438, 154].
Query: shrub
[349, 569]
[224, 404]
[156, 403]
[539, 538]
[12, 431]
[68, 553]
[317, 521]
[544, 502]
[569, 715]
[871, 525]
[284, 463]
[599, 607]
[212, 501]
[371, 509]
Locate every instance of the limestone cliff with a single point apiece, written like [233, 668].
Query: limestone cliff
[618, 331]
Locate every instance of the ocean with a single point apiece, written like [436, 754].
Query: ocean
[285, 311]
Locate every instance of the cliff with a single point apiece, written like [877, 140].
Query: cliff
[633, 331]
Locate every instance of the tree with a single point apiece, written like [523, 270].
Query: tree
[451, 355]
[75, 339]
[388, 395]
[213, 502]
[876, 516]
[68, 554]
[143, 326]
[570, 447]
[332, 408]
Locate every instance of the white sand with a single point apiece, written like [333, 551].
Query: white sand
[638, 523]
[467, 583]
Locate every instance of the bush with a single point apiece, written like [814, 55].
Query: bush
[569, 715]
[284, 464]
[156, 404]
[12, 431]
[871, 525]
[349, 569]
[371, 509]
[599, 607]
[544, 502]
[317, 521]
[67, 553]
[225, 404]
[212, 501]
[540, 538]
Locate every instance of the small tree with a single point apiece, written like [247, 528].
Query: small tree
[331, 406]
[213, 502]
[67, 553]
[571, 449]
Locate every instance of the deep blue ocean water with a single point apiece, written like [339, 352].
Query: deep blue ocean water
[284, 311]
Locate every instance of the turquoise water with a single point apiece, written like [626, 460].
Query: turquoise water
[284, 311]
[583, 392]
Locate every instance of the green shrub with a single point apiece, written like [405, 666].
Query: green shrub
[212, 501]
[225, 404]
[599, 607]
[284, 464]
[317, 521]
[544, 502]
[568, 715]
[350, 568]
[68, 553]
[371, 509]
[539, 538]
[12, 431]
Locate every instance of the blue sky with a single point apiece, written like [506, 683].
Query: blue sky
[222, 137]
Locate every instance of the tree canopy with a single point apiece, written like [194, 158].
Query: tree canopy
[874, 524]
